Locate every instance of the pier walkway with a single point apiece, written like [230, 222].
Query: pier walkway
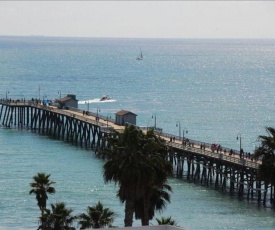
[107, 125]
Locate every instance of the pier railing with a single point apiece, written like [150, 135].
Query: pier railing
[194, 142]
[193, 145]
[230, 158]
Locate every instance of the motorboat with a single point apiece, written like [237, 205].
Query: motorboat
[105, 98]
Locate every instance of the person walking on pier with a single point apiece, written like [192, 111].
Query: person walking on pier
[241, 153]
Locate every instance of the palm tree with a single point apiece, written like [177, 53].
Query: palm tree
[158, 201]
[166, 221]
[156, 192]
[266, 151]
[59, 218]
[96, 217]
[127, 167]
[268, 141]
[40, 187]
[136, 162]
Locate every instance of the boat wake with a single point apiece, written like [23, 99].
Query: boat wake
[96, 100]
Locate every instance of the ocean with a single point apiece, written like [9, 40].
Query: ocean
[217, 89]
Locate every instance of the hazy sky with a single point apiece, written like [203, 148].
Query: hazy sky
[154, 19]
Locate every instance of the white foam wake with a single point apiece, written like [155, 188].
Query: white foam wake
[96, 100]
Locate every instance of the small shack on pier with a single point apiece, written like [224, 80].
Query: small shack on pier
[68, 101]
[123, 117]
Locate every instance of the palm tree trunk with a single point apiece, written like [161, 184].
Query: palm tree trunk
[145, 217]
[265, 192]
[129, 212]
[146, 205]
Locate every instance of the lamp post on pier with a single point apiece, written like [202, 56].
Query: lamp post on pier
[108, 116]
[239, 136]
[155, 124]
[97, 111]
[88, 104]
[7, 92]
[184, 130]
[59, 92]
[178, 124]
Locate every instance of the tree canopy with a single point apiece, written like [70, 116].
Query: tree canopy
[59, 218]
[40, 187]
[137, 163]
[266, 151]
[96, 217]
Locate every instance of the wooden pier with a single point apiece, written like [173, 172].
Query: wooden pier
[222, 170]
[200, 165]
[67, 125]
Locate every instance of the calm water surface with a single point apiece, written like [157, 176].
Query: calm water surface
[217, 89]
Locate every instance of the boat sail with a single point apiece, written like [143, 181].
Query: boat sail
[140, 57]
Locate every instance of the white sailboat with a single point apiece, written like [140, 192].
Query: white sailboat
[140, 57]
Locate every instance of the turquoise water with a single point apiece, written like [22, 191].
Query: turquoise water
[217, 89]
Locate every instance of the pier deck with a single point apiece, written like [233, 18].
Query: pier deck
[88, 130]
[107, 125]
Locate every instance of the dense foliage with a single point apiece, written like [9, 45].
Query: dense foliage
[96, 217]
[60, 217]
[166, 221]
[266, 151]
[137, 163]
[40, 187]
